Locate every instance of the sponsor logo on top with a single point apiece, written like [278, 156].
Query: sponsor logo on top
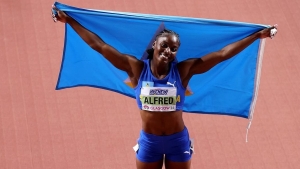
[158, 92]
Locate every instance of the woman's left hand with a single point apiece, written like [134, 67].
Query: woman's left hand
[268, 32]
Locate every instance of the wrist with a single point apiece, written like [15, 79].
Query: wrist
[68, 19]
[257, 35]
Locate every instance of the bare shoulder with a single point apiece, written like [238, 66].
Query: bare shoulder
[185, 66]
[135, 64]
[135, 70]
[184, 69]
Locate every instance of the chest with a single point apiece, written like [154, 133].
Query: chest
[158, 98]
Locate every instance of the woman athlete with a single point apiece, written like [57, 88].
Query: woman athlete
[159, 83]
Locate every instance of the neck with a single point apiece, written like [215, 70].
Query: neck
[159, 69]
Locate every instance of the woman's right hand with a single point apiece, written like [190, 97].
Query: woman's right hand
[59, 16]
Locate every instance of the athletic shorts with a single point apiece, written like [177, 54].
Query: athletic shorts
[176, 147]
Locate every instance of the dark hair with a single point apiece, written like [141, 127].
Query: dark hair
[162, 33]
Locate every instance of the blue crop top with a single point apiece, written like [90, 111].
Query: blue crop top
[164, 95]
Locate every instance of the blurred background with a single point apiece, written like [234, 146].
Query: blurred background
[82, 128]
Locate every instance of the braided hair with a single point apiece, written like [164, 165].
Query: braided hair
[162, 33]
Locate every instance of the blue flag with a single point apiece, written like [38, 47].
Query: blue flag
[230, 88]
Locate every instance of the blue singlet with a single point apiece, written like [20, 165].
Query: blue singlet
[164, 95]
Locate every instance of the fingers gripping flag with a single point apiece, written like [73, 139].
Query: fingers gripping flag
[230, 88]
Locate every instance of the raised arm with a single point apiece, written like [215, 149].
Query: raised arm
[124, 62]
[194, 66]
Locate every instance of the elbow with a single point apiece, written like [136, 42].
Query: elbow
[98, 46]
[94, 42]
[221, 55]
[225, 54]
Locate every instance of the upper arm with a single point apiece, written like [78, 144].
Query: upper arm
[130, 64]
[205, 63]
[193, 66]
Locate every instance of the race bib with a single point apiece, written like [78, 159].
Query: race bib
[158, 98]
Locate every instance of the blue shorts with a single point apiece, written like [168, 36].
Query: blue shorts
[176, 147]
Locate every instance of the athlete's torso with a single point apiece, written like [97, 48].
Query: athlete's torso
[160, 95]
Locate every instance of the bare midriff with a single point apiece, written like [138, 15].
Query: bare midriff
[162, 123]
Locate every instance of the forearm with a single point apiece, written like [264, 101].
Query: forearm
[205, 63]
[208, 61]
[116, 58]
[89, 37]
[236, 47]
